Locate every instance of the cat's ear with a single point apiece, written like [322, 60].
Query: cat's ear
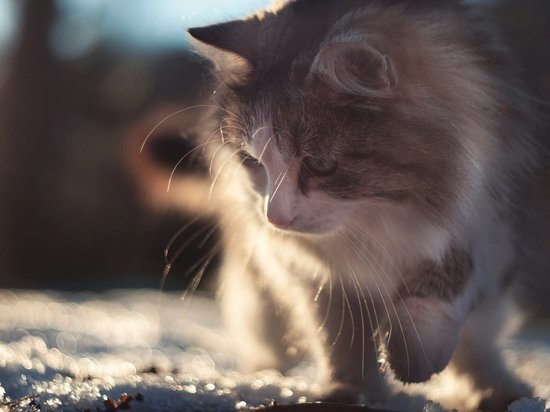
[238, 37]
[355, 70]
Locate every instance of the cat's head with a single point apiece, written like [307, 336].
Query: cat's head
[332, 116]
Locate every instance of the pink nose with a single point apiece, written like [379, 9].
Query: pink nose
[278, 220]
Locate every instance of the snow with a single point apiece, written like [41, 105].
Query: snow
[63, 351]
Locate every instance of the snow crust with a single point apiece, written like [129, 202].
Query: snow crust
[61, 351]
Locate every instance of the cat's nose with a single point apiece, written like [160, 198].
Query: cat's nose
[281, 222]
[277, 215]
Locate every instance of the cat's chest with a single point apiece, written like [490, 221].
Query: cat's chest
[365, 268]
[361, 268]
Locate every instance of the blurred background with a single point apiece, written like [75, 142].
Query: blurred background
[82, 83]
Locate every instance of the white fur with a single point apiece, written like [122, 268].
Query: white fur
[355, 252]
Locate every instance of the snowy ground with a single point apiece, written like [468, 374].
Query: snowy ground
[76, 351]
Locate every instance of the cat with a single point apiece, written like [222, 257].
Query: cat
[369, 160]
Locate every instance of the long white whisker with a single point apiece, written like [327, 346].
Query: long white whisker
[394, 310]
[329, 304]
[363, 332]
[188, 241]
[342, 318]
[260, 157]
[278, 185]
[177, 235]
[177, 165]
[352, 319]
[258, 131]
[177, 112]
[374, 306]
[396, 291]
[389, 257]
[205, 261]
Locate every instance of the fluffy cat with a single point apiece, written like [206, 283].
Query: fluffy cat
[367, 169]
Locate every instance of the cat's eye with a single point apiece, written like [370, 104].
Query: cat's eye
[320, 167]
[255, 170]
[247, 160]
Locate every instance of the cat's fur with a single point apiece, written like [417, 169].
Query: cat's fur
[367, 171]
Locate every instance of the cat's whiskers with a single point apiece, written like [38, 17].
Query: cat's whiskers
[374, 271]
[319, 290]
[387, 255]
[345, 303]
[176, 113]
[378, 323]
[173, 172]
[222, 127]
[229, 126]
[282, 177]
[223, 140]
[262, 153]
[176, 235]
[204, 262]
[398, 293]
[329, 304]
[209, 139]
[237, 119]
[221, 170]
[343, 313]
[413, 172]
[169, 262]
[361, 299]
[308, 153]
[350, 310]
[258, 130]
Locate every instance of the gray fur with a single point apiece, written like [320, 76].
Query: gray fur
[385, 142]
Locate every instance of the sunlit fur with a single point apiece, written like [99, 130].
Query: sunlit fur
[384, 141]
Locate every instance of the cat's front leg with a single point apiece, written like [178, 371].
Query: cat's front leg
[421, 338]
[255, 320]
[479, 357]
[423, 328]
[349, 324]
[271, 315]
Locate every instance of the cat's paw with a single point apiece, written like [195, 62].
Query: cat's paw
[422, 336]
